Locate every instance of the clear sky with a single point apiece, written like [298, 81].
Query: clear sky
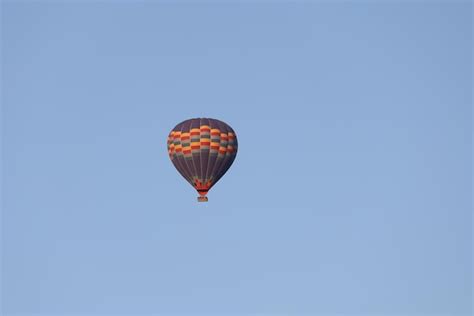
[350, 194]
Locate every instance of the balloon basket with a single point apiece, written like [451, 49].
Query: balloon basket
[202, 198]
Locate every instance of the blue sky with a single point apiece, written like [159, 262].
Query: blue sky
[350, 194]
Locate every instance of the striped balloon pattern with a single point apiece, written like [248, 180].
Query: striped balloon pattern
[202, 150]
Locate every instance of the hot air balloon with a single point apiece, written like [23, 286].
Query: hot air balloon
[202, 150]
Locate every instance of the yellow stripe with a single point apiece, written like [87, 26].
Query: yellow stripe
[205, 140]
[205, 126]
[196, 144]
[195, 130]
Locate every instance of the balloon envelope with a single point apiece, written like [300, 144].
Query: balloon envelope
[202, 150]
